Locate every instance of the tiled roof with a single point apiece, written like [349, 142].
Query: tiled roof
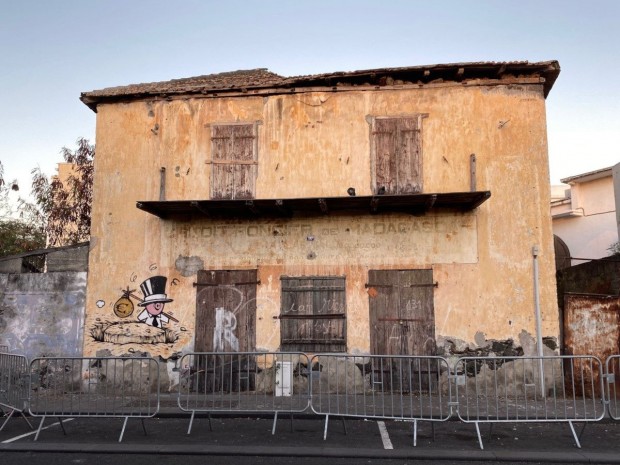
[230, 80]
[261, 78]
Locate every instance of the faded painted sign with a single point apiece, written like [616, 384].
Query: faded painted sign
[381, 239]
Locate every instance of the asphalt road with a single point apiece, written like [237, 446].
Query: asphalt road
[250, 440]
[31, 458]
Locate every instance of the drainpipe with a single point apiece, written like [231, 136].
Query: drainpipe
[538, 320]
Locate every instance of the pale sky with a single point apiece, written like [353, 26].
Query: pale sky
[51, 51]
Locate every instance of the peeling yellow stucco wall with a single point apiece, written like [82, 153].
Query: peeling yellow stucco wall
[317, 144]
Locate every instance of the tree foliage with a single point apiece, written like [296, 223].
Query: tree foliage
[17, 236]
[21, 226]
[66, 204]
[60, 213]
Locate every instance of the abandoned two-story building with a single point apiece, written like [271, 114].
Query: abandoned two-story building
[385, 211]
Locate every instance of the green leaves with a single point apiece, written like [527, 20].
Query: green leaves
[60, 213]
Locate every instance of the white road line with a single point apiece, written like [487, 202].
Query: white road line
[17, 438]
[385, 437]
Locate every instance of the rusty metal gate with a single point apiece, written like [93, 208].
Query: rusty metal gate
[592, 326]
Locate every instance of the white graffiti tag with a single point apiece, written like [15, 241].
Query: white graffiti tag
[224, 339]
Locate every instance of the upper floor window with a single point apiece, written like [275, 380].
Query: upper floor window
[234, 160]
[396, 154]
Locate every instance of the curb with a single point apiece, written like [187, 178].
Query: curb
[312, 452]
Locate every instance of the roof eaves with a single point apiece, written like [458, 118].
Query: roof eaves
[261, 78]
[589, 176]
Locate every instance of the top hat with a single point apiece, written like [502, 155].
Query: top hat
[154, 291]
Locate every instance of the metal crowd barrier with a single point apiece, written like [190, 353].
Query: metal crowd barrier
[529, 389]
[244, 382]
[390, 387]
[124, 387]
[13, 386]
[612, 378]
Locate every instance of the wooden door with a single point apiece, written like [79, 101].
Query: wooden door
[226, 322]
[402, 321]
[226, 311]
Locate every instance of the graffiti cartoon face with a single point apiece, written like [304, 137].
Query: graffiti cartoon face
[154, 301]
[155, 308]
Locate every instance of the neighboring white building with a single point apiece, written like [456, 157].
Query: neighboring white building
[583, 210]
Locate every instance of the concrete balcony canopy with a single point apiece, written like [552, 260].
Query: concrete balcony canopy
[416, 204]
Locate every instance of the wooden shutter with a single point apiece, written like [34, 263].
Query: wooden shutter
[234, 161]
[313, 314]
[396, 145]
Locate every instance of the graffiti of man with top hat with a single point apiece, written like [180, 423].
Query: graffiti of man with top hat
[154, 300]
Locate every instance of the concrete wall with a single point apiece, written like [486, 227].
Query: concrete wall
[68, 259]
[596, 277]
[12, 265]
[42, 314]
[316, 144]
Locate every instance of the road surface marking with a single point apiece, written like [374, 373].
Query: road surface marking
[385, 437]
[33, 432]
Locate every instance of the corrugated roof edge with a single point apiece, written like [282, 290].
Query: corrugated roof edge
[262, 78]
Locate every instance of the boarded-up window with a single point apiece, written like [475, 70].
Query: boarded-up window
[234, 161]
[313, 314]
[396, 146]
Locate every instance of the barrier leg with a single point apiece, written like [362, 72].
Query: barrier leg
[25, 418]
[325, 429]
[275, 420]
[62, 426]
[7, 419]
[572, 428]
[191, 422]
[583, 428]
[123, 430]
[143, 426]
[415, 433]
[344, 425]
[36, 436]
[479, 437]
